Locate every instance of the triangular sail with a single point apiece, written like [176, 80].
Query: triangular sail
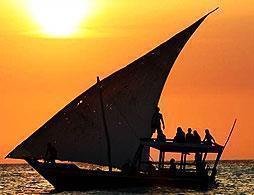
[130, 96]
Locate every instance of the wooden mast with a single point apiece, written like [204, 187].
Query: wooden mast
[105, 125]
[214, 171]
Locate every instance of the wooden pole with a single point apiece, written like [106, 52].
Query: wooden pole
[160, 160]
[105, 125]
[205, 155]
[230, 134]
[184, 161]
[214, 171]
[181, 164]
[163, 158]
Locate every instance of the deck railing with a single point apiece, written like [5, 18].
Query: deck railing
[172, 141]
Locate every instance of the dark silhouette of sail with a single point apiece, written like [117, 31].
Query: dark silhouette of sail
[129, 95]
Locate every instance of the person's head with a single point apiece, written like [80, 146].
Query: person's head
[172, 161]
[207, 131]
[195, 132]
[189, 130]
[179, 129]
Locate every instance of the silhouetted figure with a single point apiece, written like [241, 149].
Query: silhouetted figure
[208, 138]
[189, 136]
[180, 136]
[200, 166]
[161, 137]
[172, 167]
[151, 168]
[196, 137]
[157, 119]
[129, 169]
[51, 154]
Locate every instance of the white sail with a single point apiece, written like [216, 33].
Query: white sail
[129, 95]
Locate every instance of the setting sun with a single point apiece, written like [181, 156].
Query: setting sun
[59, 18]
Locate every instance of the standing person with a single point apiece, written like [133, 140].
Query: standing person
[200, 166]
[157, 119]
[189, 136]
[196, 137]
[208, 138]
[51, 154]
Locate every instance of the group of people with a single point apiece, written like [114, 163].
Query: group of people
[193, 137]
[180, 136]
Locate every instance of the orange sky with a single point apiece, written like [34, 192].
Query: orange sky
[211, 83]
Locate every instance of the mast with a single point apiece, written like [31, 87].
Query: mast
[105, 125]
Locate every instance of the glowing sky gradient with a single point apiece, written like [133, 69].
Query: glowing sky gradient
[211, 83]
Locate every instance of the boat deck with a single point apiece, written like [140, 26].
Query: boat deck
[170, 146]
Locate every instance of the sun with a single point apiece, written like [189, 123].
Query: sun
[59, 18]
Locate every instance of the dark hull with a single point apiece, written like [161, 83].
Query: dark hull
[68, 177]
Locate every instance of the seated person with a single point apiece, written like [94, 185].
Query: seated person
[209, 140]
[189, 136]
[180, 136]
[196, 137]
[172, 167]
[51, 154]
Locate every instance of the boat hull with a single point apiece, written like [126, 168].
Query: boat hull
[69, 177]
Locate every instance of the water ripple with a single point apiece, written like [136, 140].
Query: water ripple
[234, 177]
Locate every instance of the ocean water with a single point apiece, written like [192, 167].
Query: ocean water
[234, 177]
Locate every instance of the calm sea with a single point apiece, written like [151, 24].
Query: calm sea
[234, 177]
